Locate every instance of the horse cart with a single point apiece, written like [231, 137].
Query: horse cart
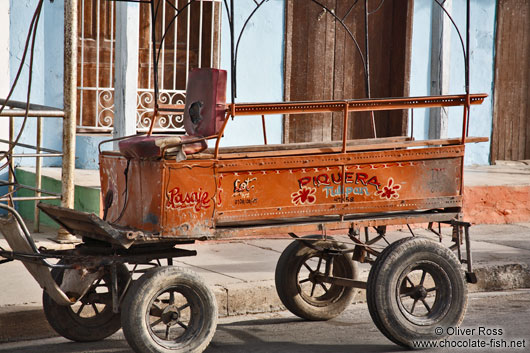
[160, 192]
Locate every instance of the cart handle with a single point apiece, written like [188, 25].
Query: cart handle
[28, 237]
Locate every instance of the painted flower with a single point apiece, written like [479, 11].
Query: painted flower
[389, 192]
[304, 196]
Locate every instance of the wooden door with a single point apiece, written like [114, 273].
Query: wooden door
[511, 121]
[322, 63]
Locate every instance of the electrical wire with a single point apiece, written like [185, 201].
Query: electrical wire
[32, 33]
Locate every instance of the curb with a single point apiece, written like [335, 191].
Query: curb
[19, 323]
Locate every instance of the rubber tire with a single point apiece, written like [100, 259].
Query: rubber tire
[382, 288]
[136, 308]
[286, 279]
[67, 324]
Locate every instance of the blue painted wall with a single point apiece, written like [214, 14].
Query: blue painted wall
[481, 73]
[47, 80]
[259, 70]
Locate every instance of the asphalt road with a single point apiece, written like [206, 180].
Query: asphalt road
[495, 318]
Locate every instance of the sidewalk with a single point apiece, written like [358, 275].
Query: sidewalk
[242, 274]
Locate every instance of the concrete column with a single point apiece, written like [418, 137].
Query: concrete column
[440, 67]
[126, 81]
[70, 111]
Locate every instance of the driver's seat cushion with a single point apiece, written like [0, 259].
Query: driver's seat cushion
[153, 147]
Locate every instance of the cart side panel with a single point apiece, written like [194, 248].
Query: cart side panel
[366, 182]
[136, 197]
[190, 198]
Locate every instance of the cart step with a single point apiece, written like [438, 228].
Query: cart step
[89, 225]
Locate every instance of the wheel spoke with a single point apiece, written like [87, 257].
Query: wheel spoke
[308, 268]
[313, 289]
[171, 298]
[184, 306]
[95, 309]
[154, 323]
[408, 279]
[183, 325]
[155, 310]
[431, 289]
[426, 306]
[97, 284]
[319, 263]
[305, 280]
[407, 293]
[80, 308]
[167, 332]
[413, 306]
[324, 287]
[423, 277]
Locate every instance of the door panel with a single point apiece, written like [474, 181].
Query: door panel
[322, 62]
[511, 124]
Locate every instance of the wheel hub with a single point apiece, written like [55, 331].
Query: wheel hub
[170, 315]
[313, 276]
[418, 293]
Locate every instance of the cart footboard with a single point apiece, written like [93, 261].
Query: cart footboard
[91, 226]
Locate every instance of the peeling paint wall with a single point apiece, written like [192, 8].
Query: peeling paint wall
[47, 80]
[259, 70]
[481, 73]
[4, 66]
[4, 83]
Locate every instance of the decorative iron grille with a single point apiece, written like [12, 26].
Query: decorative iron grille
[192, 40]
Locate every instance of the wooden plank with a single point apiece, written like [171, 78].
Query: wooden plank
[328, 64]
[288, 57]
[402, 27]
[526, 112]
[511, 129]
[299, 66]
[300, 145]
[524, 119]
[373, 147]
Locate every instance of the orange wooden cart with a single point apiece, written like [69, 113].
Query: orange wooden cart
[163, 191]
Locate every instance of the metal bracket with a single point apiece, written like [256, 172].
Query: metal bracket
[471, 277]
[114, 288]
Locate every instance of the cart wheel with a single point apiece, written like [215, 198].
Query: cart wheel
[169, 309]
[301, 293]
[416, 290]
[91, 318]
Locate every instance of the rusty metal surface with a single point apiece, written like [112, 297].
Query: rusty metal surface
[356, 105]
[199, 198]
[86, 224]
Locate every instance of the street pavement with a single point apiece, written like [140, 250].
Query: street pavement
[498, 319]
[241, 274]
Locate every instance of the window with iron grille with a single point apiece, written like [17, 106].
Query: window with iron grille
[192, 40]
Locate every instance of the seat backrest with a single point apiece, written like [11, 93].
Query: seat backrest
[204, 112]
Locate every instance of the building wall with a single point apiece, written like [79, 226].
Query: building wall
[4, 65]
[481, 74]
[4, 83]
[260, 70]
[47, 78]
